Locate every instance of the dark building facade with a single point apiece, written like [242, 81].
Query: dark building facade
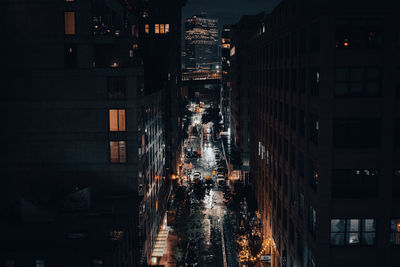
[240, 83]
[225, 96]
[324, 132]
[87, 182]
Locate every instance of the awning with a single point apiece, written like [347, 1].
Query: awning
[161, 243]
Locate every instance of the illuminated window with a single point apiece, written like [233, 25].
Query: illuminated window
[69, 23]
[147, 29]
[162, 28]
[395, 232]
[40, 263]
[118, 151]
[98, 263]
[166, 28]
[117, 120]
[9, 263]
[157, 28]
[353, 232]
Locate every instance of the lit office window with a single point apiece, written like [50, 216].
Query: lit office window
[162, 28]
[147, 29]
[69, 23]
[157, 28]
[40, 263]
[117, 120]
[166, 28]
[353, 232]
[395, 232]
[118, 151]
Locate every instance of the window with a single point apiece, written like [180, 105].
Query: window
[353, 232]
[358, 81]
[147, 29]
[359, 34]
[356, 133]
[315, 78]
[69, 23]
[161, 28]
[9, 263]
[98, 263]
[395, 232]
[70, 56]
[40, 263]
[362, 183]
[116, 87]
[117, 120]
[118, 151]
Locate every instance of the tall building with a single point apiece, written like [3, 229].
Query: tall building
[225, 96]
[86, 180]
[201, 44]
[161, 32]
[240, 83]
[325, 131]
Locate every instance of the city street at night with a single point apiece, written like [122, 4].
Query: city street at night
[200, 133]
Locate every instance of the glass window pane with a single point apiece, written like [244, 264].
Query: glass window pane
[369, 239]
[353, 238]
[121, 120]
[353, 225]
[114, 157]
[373, 74]
[373, 88]
[356, 87]
[369, 225]
[157, 28]
[357, 75]
[122, 151]
[69, 23]
[113, 116]
[337, 239]
[337, 225]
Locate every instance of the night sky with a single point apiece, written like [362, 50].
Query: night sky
[228, 11]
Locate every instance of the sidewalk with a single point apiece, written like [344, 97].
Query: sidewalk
[168, 259]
